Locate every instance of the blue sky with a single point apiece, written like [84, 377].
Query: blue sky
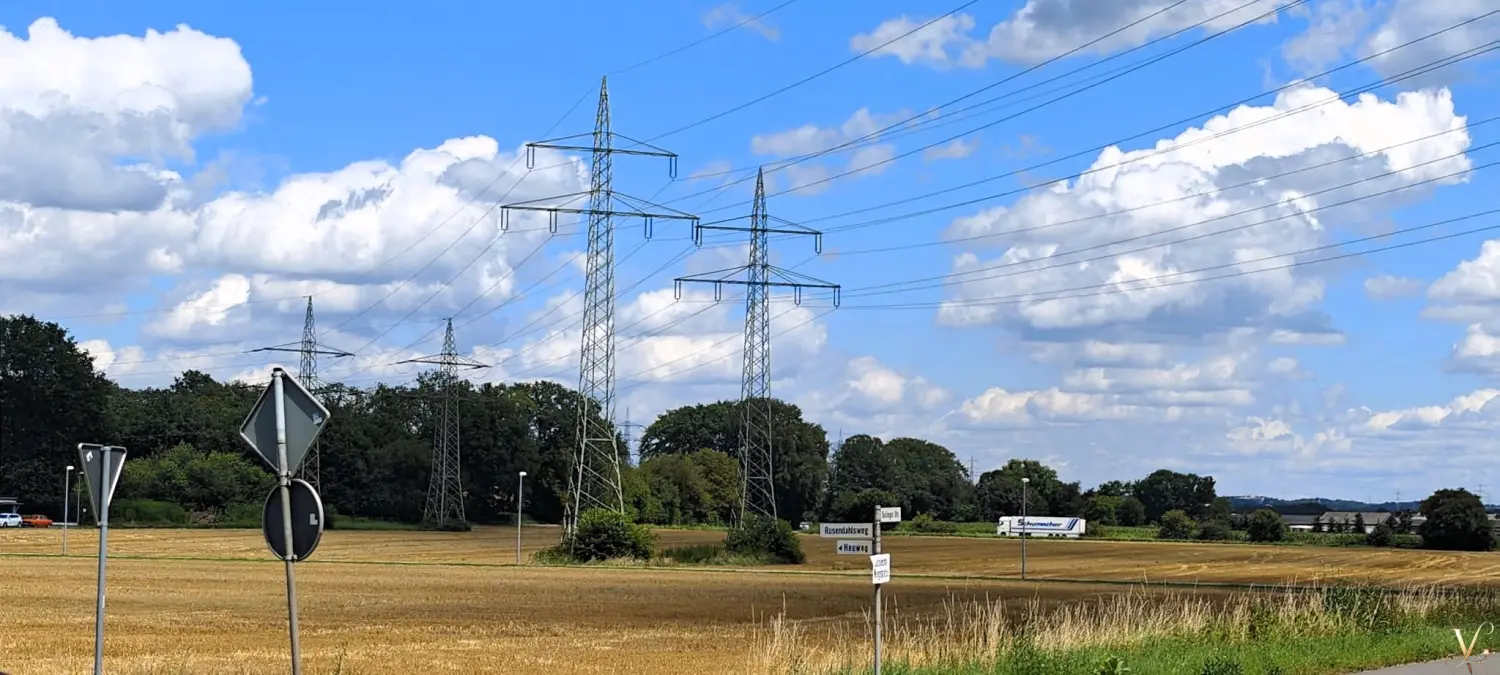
[1356, 378]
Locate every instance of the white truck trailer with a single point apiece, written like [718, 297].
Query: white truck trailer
[1040, 526]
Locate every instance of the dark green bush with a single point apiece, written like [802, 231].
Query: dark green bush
[926, 524]
[769, 536]
[1265, 526]
[1381, 536]
[147, 512]
[1175, 525]
[607, 535]
[1215, 530]
[1222, 665]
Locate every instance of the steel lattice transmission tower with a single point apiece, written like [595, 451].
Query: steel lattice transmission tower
[757, 457]
[594, 481]
[445, 492]
[307, 373]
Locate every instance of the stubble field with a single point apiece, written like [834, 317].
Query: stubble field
[204, 601]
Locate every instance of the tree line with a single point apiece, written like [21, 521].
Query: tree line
[187, 462]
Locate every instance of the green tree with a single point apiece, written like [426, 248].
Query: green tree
[1456, 521]
[1220, 510]
[860, 463]
[1265, 526]
[859, 507]
[1358, 526]
[999, 492]
[1132, 513]
[1317, 524]
[1114, 488]
[1175, 524]
[800, 448]
[927, 477]
[1406, 523]
[1103, 510]
[1381, 536]
[697, 488]
[51, 399]
[1165, 490]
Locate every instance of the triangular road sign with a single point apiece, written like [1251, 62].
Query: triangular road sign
[91, 458]
[305, 419]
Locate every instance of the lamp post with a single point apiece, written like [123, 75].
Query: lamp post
[67, 480]
[1024, 483]
[520, 499]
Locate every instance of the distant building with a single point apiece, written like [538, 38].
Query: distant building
[9, 505]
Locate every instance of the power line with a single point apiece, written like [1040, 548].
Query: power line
[950, 279]
[1139, 66]
[1193, 195]
[814, 76]
[702, 40]
[1382, 82]
[1110, 290]
[925, 118]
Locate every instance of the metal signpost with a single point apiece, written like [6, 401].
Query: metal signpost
[67, 483]
[284, 423]
[1024, 483]
[880, 569]
[101, 469]
[520, 498]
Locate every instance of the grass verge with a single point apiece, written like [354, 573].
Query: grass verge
[1294, 632]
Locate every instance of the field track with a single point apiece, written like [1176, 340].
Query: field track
[212, 601]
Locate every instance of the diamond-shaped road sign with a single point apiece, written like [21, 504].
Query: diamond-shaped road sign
[305, 418]
[91, 458]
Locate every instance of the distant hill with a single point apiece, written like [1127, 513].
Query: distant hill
[1312, 506]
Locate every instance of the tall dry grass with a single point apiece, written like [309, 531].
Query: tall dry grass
[984, 632]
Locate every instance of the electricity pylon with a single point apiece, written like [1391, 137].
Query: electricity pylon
[757, 458]
[594, 481]
[445, 492]
[307, 374]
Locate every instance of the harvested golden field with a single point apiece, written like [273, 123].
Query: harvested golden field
[1133, 561]
[202, 601]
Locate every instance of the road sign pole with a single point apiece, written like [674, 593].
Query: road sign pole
[103, 517]
[876, 545]
[277, 378]
[67, 475]
[520, 500]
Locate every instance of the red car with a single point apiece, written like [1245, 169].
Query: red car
[36, 521]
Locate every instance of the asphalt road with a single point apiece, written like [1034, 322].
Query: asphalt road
[1452, 666]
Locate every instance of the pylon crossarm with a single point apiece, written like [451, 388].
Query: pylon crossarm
[335, 353]
[460, 362]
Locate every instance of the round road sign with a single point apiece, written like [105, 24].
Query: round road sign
[307, 520]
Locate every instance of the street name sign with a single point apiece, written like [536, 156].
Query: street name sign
[854, 547]
[880, 568]
[91, 458]
[307, 520]
[305, 418]
[890, 514]
[846, 530]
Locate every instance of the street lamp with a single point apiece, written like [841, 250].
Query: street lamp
[520, 499]
[1024, 526]
[67, 480]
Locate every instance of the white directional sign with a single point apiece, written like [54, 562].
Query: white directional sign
[854, 547]
[91, 457]
[305, 418]
[880, 568]
[843, 530]
[890, 514]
